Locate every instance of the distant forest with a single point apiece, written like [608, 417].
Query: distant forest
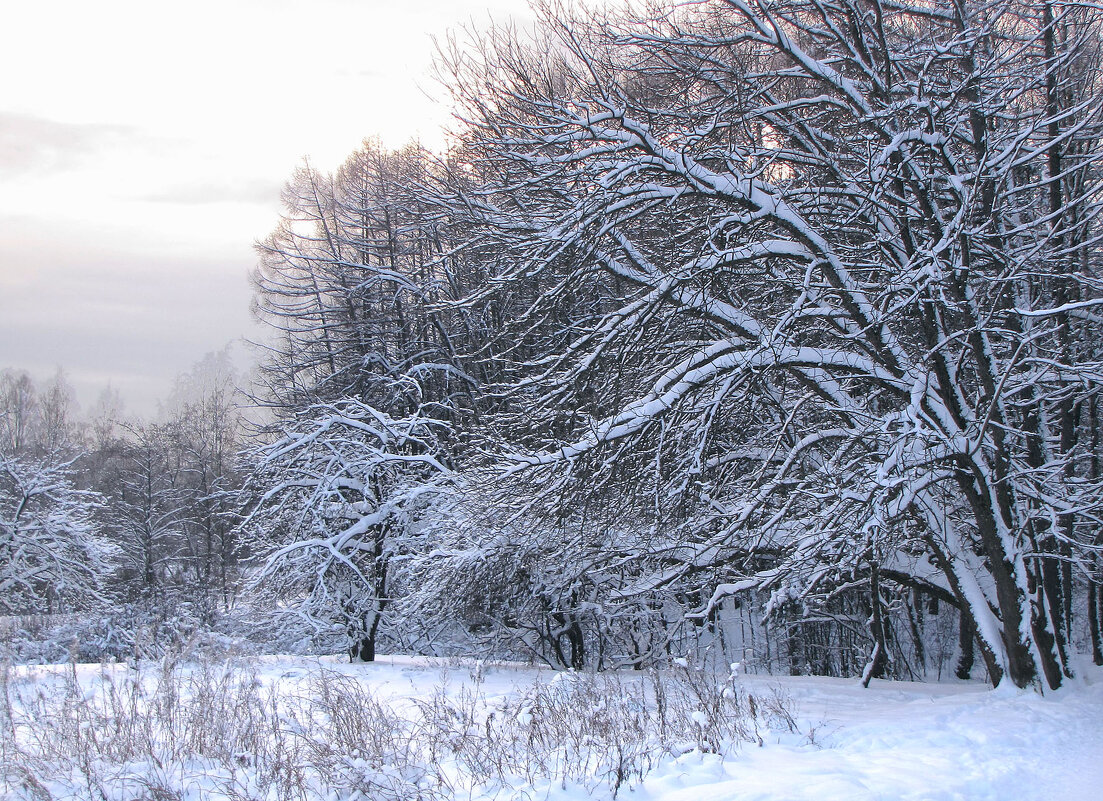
[740, 330]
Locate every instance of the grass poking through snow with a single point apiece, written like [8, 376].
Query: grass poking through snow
[173, 730]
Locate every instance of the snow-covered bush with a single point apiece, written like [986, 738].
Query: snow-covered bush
[126, 632]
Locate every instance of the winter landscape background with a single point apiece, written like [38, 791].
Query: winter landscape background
[715, 412]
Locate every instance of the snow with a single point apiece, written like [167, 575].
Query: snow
[895, 740]
[900, 740]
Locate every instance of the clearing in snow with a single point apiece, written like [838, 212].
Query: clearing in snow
[412, 727]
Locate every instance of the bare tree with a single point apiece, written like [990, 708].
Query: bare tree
[348, 283]
[36, 420]
[338, 495]
[148, 510]
[51, 557]
[836, 253]
[207, 430]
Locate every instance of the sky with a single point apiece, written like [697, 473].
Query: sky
[143, 147]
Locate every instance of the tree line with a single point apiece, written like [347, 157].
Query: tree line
[105, 510]
[777, 311]
[794, 299]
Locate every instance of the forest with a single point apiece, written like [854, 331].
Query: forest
[736, 331]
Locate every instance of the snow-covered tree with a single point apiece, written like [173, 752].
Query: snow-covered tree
[206, 427]
[51, 557]
[544, 586]
[364, 379]
[841, 267]
[348, 283]
[147, 509]
[340, 495]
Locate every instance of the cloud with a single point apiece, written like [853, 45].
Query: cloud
[30, 144]
[106, 308]
[249, 191]
[373, 74]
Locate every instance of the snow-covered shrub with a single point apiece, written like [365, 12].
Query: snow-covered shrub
[128, 631]
[52, 555]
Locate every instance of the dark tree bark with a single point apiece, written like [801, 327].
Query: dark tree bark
[1093, 621]
[966, 633]
[878, 660]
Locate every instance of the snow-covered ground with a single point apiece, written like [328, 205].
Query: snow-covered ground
[902, 740]
[896, 740]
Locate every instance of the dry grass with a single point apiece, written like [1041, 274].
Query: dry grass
[214, 730]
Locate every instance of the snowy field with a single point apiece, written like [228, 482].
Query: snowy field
[415, 728]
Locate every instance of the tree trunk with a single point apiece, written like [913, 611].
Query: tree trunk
[578, 645]
[878, 660]
[915, 622]
[1093, 621]
[363, 649]
[965, 635]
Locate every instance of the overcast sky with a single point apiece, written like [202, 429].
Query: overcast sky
[142, 150]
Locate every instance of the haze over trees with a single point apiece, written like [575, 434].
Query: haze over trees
[747, 330]
[100, 513]
[51, 556]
